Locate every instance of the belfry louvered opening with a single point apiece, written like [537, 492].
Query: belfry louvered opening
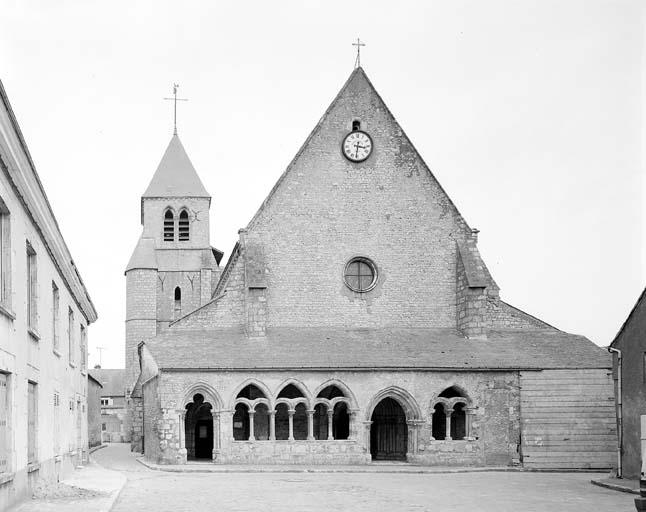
[183, 226]
[169, 226]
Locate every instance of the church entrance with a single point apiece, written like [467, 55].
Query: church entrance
[198, 429]
[388, 432]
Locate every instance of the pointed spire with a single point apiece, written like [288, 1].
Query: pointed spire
[175, 176]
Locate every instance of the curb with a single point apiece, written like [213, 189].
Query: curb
[95, 448]
[221, 469]
[615, 487]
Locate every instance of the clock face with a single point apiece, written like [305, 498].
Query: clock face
[357, 146]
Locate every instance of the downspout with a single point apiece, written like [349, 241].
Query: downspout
[620, 429]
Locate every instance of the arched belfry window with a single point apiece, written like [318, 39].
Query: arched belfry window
[169, 226]
[183, 226]
[178, 301]
[356, 125]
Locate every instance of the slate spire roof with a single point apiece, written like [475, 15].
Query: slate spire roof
[175, 175]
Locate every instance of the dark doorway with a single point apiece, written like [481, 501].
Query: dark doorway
[388, 432]
[198, 429]
[204, 439]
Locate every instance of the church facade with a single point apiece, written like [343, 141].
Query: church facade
[354, 321]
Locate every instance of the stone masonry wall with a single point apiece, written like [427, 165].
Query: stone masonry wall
[326, 210]
[503, 316]
[494, 398]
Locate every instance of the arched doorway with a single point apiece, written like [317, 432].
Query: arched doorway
[198, 428]
[388, 432]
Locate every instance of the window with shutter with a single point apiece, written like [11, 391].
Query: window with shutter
[4, 418]
[31, 423]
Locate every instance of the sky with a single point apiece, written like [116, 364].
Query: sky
[529, 113]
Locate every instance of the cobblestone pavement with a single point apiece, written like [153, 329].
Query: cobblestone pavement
[148, 490]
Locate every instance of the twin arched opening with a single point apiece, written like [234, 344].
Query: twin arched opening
[450, 419]
[183, 225]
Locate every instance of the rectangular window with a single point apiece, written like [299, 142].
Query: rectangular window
[5, 256]
[70, 335]
[83, 348]
[5, 449]
[55, 315]
[103, 427]
[32, 415]
[32, 287]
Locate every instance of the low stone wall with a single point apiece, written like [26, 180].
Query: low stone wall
[449, 453]
[294, 452]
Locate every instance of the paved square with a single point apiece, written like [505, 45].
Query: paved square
[357, 492]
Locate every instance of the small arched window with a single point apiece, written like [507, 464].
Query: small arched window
[183, 226]
[178, 301]
[356, 125]
[169, 226]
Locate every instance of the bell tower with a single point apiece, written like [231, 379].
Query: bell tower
[173, 269]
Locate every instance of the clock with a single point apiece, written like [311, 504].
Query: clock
[357, 146]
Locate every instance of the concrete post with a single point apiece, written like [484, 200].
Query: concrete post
[640, 503]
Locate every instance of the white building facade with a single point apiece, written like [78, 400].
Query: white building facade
[45, 312]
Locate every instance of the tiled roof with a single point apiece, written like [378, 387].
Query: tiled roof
[143, 256]
[112, 380]
[366, 349]
[175, 176]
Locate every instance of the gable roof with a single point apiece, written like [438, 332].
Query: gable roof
[112, 380]
[175, 175]
[357, 74]
[388, 349]
[641, 298]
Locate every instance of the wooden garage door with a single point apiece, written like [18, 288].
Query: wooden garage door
[568, 419]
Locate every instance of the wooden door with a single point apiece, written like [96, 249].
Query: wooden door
[4, 413]
[388, 432]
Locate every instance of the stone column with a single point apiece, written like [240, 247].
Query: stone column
[330, 424]
[354, 414]
[272, 425]
[468, 419]
[430, 425]
[366, 435]
[310, 425]
[291, 413]
[252, 414]
[216, 435]
[448, 425]
[181, 425]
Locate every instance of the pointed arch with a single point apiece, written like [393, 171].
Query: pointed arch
[402, 397]
[259, 384]
[206, 390]
[296, 383]
[169, 225]
[183, 226]
[344, 389]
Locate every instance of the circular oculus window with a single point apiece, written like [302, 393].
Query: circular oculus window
[360, 275]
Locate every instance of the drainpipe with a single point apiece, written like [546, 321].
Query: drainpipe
[620, 429]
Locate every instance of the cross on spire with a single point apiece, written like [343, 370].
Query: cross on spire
[358, 44]
[175, 99]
